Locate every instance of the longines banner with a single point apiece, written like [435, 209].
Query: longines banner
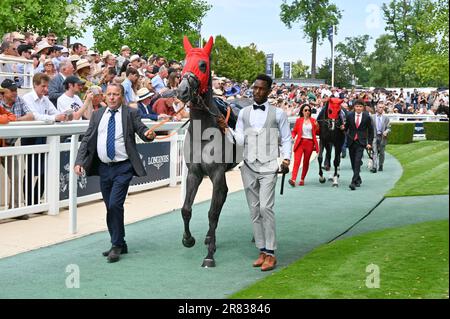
[155, 158]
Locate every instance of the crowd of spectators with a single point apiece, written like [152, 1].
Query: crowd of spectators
[76, 78]
[161, 77]
[292, 98]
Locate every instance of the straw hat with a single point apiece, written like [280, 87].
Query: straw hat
[106, 53]
[41, 46]
[83, 63]
[143, 94]
[74, 58]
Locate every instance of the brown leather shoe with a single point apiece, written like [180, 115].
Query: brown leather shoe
[269, 263]
[258, 262]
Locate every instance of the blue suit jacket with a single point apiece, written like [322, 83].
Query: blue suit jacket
[143, 112]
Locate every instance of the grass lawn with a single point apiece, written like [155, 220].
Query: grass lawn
[412, 261]
[425, 168]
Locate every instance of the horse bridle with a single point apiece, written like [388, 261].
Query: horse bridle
[194, 97]
[328, 121]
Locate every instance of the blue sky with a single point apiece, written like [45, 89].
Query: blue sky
[243, 22]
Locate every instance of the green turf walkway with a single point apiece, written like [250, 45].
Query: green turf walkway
[158, 266]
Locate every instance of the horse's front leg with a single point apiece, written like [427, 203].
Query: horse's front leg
[220, 191]
[319, 159]
[193, 181]
[337, 163]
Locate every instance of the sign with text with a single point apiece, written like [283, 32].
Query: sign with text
[287, 70]
[269, 65]
[154, 156]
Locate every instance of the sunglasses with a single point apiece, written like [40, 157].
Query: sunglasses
[306, 110]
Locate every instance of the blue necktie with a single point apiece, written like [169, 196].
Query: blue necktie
[111, 136]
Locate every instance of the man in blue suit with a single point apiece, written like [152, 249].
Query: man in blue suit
[109, 150]
[144, 97]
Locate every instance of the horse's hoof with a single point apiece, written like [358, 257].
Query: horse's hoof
[322, 180]
[335, 185]
[188, 242]
[207, 263]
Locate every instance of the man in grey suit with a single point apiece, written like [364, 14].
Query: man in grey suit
[56, 85]
[108, 149]
[382, 128]
[259, 128]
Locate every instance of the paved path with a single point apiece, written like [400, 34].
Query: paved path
[158, 266]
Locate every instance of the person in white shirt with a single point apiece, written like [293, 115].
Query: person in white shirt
[258, 128]
[43, 110]
[38, 102]
[70, 102]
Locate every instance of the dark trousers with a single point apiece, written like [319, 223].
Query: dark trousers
[356, 151]
[33, 195]
[114, 182]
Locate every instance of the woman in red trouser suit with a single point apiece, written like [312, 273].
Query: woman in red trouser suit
[305, 130]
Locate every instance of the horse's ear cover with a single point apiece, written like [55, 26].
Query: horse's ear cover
[208, 46]
[187, 45]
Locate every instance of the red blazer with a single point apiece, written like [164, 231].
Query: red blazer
[298, 132]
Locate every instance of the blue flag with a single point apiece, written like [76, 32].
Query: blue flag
[330, 34]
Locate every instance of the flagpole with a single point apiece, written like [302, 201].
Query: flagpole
[332, 59]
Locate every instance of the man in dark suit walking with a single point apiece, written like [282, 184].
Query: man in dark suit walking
[108, 149]
[359, 136]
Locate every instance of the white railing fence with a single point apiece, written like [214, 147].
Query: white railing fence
[9, 70]
[31, 177]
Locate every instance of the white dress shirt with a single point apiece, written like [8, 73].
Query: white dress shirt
[42, 108]
[102, 135]
[258, 119]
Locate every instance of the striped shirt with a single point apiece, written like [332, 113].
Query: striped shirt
[19, 108]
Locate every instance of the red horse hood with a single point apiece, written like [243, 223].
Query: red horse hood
[334, 107]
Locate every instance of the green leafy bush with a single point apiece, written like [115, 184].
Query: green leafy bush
[437, 131]
[401, 133]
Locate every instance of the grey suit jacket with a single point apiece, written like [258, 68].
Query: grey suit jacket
[56, 88]
[385, 128]
[87, 154]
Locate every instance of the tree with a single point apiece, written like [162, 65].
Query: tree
[420, 33]
[241, 63]
[353, 51]
[403, 18]
[41, 17]
[299, 70]
[317, 16]
[278, 71]
[146, 26]
[385, 64]
[343, 76]
[428, 58]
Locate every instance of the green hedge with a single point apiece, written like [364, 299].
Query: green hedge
[401, 133]
[437, 131]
